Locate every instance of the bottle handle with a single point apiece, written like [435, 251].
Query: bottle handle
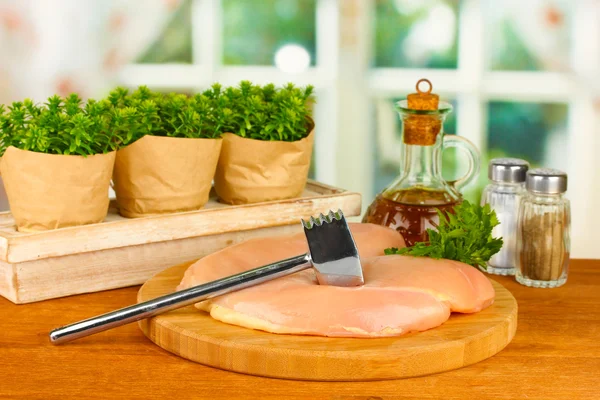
[473, 156]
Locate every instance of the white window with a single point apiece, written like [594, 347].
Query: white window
[355, 123]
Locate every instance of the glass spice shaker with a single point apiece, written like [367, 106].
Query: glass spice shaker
[503, 194]
[543, 239]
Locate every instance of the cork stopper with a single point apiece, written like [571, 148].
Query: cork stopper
[422, 129]
[423, 100]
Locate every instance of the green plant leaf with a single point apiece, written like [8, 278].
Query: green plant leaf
[465, 236]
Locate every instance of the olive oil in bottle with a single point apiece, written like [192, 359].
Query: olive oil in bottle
[411, 202]
[411, 213]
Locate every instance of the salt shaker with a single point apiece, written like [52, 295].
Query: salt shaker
[543, 239]
[503, 194]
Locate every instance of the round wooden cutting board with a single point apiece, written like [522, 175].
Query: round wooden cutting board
[463, 340]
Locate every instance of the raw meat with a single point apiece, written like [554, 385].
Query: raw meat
[401, 294]
[370, 239]
[463, 287]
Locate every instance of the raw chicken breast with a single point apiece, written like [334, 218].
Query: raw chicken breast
[401, 294]
[370, 239]
[463, 287]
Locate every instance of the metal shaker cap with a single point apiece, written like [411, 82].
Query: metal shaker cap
[509, 170]
[546, 181]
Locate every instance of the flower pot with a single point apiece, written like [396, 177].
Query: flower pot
[157, 175]
[252, 171]
[51, 191]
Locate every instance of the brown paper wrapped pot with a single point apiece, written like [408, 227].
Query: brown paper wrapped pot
[157, 175]
[50, 191]
[252, 171]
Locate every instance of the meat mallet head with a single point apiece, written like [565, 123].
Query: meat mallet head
[333, 251]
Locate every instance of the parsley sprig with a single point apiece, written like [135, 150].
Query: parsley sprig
[464, 236]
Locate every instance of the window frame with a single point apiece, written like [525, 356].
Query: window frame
[344, 152]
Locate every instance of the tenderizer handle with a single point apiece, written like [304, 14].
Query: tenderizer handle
[180, 299]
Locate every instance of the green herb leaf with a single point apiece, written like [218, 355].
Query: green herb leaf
[60, 126]
[269, 113]
[71, 126]
[464, 236]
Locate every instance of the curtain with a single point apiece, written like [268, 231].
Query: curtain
[52, 47]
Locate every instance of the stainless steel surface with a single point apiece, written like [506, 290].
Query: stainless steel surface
[332, 252]
[509, 170]
[546, 181]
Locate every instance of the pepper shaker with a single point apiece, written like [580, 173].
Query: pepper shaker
[543, 240]
[503, 194]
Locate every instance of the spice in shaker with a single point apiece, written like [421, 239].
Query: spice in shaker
[543, 240]
[503, 194]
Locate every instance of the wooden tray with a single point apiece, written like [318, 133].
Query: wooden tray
[463, 340]
[122, 252]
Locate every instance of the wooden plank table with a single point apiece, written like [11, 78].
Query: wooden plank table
[555, 355]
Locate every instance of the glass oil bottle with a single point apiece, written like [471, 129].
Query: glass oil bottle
[410, 203]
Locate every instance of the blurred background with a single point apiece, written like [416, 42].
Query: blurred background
[523, 76]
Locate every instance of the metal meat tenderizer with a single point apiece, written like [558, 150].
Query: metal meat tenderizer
[332, 253]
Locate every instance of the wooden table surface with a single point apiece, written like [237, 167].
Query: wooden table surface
[555, 355]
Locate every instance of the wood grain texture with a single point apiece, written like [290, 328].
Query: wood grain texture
[50, 278]
[554, 355]
[214, 218]
[462, 340]
[122, 252]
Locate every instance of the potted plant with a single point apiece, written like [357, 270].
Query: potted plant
[267, 154]
[172, 148]
[57, 161]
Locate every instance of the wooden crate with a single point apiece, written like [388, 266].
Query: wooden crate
[123, 252]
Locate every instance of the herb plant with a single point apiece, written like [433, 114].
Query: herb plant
[145, 112]
[219, 108]
[270, 113]
[68, 126]
[60, 126]
[188, 117]
[465, 236]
